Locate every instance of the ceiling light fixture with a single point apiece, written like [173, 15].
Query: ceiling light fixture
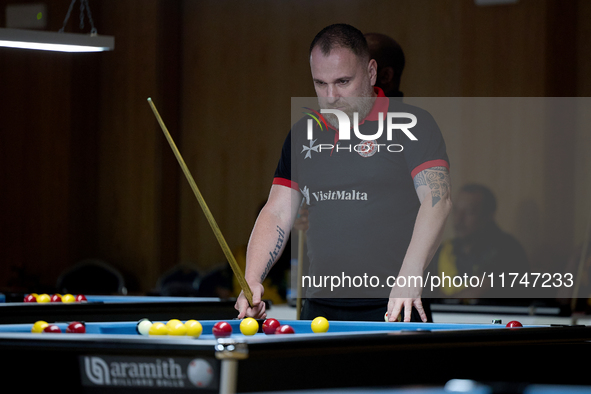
[59, 41]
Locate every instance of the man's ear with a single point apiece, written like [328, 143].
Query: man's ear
[372, 69]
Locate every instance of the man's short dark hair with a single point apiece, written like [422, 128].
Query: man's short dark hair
[341, 35]
[388, 53]
[489, 202]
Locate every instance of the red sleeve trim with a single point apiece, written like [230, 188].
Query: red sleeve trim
[429, 164]
[286, 183]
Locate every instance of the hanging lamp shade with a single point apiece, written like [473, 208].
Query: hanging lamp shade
[55, 41]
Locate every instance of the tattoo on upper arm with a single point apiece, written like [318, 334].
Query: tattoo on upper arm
[274, 255]
[420, 180]
[438, 181]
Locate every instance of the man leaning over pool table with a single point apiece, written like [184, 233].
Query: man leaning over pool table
[342, 72]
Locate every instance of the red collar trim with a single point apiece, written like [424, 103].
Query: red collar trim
[380, 105]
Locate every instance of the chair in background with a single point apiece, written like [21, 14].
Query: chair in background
[181, 281]
[91, 276]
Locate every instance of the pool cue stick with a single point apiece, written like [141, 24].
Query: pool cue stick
[586, 241]
[216, 230]
[301, 240]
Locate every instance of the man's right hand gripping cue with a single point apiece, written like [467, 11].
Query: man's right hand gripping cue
[267, 242]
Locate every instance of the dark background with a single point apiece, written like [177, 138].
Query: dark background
[85, 171]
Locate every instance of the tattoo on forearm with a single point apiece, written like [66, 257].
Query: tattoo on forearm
[437, 179]
[274, 255]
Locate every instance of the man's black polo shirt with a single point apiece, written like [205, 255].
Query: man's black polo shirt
[361, 197]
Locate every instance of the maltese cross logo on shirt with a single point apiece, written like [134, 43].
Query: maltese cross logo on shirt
[309, 149]
[306, 193]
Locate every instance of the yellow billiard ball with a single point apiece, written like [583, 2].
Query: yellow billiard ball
[194, 328]
[320, 324]
[176, 327]
[172, 322]
[158, 328]
[39, 326]
[43, 298]
[68, 298]
[249, 326]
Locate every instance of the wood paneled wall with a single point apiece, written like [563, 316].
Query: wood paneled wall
[48, 157]
[452, 48]
[137, 194]
[84, 175]
[86, 172]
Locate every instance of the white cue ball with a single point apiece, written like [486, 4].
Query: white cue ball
[386, 317]
[143, 326]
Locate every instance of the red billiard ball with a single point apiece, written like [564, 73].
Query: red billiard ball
[30, 298]
[285, 329]
[222, 329]
[56, 298]
[76, 328]
[513, 324]
[81, 298]
[52, 328]
[270, 326]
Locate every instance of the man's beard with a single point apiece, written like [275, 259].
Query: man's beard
[350, 105]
